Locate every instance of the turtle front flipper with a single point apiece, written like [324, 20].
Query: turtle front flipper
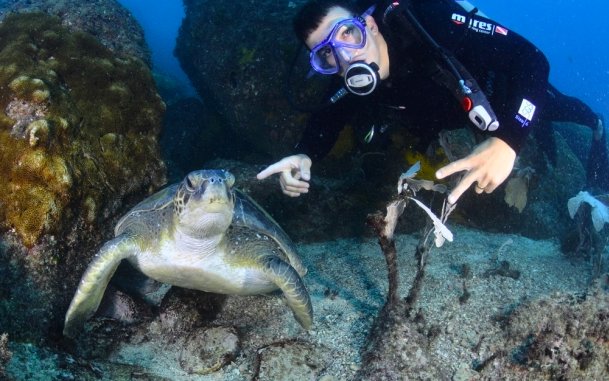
[288, 280]
[95, 280]
[249, 214]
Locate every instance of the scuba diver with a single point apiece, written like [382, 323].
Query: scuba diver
[424, 60]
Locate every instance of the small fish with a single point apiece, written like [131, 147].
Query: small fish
[369, 135]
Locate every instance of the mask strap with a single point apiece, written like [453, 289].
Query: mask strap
[368, 11]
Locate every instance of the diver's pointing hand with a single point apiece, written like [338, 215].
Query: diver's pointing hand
[487, 166]
[291, 169]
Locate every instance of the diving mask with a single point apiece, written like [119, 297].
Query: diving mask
[341, 45]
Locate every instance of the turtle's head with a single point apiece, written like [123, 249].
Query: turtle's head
[204, 202]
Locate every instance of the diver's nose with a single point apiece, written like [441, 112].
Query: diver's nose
[347, 54]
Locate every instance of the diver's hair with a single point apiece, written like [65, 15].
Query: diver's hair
[310, 15]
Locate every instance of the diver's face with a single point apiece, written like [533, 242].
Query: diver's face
[369, 53]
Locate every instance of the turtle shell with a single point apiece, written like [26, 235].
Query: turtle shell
[247, 213]
[157, 201]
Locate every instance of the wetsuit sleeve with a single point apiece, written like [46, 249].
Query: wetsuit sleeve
[511, 71]
[526, 93]
[323, 128]
[563, 108]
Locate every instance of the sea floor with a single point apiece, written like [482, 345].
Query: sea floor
[463, 293]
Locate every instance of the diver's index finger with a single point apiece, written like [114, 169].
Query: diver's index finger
[270, 170]
[454, 167]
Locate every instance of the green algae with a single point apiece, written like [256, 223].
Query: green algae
[80, 127]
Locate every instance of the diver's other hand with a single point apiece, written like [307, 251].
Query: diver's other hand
[488, 166]
[294, 172]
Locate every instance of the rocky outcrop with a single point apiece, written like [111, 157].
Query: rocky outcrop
[107, 20]
[192, 135]
[239, 67]
[548, 188]
[79, 137]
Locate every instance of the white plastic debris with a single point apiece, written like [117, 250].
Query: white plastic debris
[600, 211]
[440, 230]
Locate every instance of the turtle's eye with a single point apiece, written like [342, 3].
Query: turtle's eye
[230, 180]
[189, 184]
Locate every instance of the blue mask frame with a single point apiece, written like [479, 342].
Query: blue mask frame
[334, 46]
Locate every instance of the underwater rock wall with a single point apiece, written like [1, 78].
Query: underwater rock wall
[239, 67]
[547, 191]
[79, 137]
[107, 20]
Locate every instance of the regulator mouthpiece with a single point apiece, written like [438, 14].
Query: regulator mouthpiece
[362, 78]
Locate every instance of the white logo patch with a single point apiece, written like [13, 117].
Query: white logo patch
[527, 109]
[478, 26]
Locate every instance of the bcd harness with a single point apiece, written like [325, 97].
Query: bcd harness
[455, 77]
[441, 65]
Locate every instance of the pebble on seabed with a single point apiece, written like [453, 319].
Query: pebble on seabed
[327, 377]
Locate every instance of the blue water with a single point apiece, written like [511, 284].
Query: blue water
[161, 20]
[572, 33]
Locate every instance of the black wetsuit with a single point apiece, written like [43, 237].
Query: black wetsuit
[511, 71]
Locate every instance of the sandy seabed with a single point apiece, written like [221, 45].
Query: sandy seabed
[462, 296]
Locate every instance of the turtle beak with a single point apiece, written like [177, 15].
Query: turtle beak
[211, 210]
[216, 194]
[214, 207]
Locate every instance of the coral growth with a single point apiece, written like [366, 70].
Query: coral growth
[247, 55]
[110, 22]
[24, 113]
[80, 125]
[558, 338]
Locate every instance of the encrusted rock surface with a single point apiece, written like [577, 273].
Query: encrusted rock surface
[193, 135]
[216, 347]
[79, 135]
[107, 20]
[239, 67]
[291, 360]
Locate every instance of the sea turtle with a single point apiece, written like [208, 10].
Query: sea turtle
[203, 234]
